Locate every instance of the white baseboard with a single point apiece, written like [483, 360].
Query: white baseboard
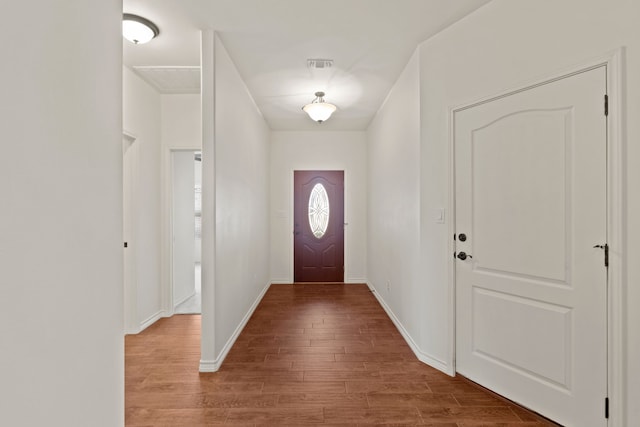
[214, 365]
[183, 300]
[151, 320]
[421, 355]
[132, 331]
[209, 366]
[281, 282]
[145, 323]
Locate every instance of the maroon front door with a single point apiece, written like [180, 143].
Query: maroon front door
[318, 205]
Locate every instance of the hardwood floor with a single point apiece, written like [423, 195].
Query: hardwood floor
[311, 354]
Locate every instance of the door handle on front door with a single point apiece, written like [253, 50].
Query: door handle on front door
[462, 256]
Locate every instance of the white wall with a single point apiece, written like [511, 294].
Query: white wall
[393, 139]
[502, 46]
[61, 325]
[181, 117]
[141, 118]
[319, 150]
[239, 147]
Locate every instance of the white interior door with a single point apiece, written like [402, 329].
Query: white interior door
[183, 226]
[531, 297]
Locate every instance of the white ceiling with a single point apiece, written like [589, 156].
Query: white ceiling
[171, 80]
[270, 41]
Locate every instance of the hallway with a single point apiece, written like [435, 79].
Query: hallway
[193, 305]
[311, 354]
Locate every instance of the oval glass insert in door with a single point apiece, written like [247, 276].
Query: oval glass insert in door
[318, 210]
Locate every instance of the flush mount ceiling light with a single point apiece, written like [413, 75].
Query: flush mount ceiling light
[137, 29]
[319, 110]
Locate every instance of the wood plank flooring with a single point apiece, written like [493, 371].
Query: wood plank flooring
[310, 355]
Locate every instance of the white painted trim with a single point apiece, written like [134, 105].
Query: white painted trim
[451, 248]
[165, 230]
[291, 245]
[208, 366]
[434, 362]
[151, 320]
[345, 226]
[616, 219]
[616, 236]
[281, 282]
[132, 331]
[176, 304]
[208, 263]
[214, 365]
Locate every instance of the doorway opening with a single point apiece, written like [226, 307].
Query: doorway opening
[186, 231]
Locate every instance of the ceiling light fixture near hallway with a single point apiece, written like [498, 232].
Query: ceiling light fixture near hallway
[319, 110]
[137, 29]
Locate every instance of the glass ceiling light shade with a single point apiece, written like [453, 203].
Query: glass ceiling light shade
[319, 110]
[137, 29]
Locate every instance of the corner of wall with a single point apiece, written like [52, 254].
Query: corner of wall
[422, 356]
[214, 365]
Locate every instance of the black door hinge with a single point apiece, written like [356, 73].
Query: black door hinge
[606, 407]
[605, 248]
[606, 105]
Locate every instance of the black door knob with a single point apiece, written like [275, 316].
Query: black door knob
[462, 237]
[463, 256]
